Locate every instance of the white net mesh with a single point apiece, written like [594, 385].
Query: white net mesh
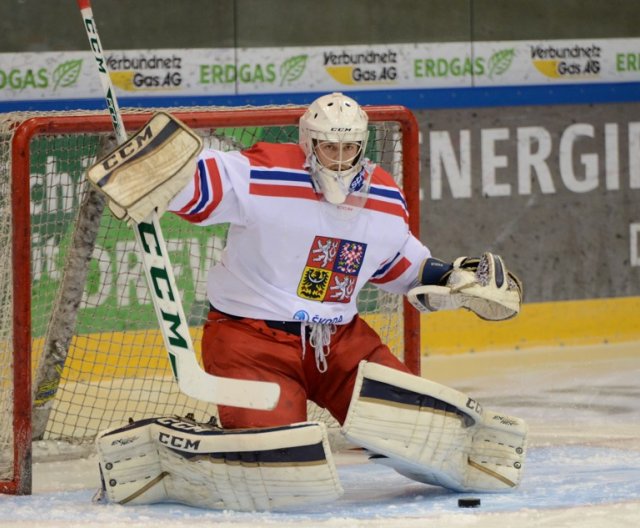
[116, 367]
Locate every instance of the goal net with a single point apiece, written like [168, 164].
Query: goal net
[80, 347]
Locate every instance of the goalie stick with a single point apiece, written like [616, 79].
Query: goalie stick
[190, 377]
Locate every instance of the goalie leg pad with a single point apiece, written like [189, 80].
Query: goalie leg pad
[432, 433]
[176, 460]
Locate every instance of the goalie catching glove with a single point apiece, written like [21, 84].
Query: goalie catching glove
[482, 285]
[149, 170]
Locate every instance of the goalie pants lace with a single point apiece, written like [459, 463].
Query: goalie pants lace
[319, 339]
[319, 335]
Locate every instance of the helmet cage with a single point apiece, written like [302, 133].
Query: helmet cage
[339, 156]
[338, 120]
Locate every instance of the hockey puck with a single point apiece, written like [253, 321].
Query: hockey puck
[468, 503]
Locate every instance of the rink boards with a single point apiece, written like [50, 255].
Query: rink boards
[586, 322]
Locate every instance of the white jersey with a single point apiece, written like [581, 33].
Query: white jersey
[291, 255]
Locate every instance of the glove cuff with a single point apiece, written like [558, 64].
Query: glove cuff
[433, 272]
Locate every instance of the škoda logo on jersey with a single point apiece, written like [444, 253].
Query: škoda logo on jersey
[332, 270]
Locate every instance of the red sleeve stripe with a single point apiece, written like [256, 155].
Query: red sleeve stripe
[207, 195]
[291, 191]
[398, 269]
[283, 191]
[387, 207]
[271, 155]
[197, 193]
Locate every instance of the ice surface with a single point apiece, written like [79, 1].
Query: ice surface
[582, 405]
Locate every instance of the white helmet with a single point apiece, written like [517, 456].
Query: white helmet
[339, 120]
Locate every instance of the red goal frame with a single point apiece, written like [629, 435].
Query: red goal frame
[21, 482]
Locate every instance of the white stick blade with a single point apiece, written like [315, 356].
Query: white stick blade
[249, 394]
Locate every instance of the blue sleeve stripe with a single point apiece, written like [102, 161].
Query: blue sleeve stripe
[387, 193]
[382, 270]
[257, 174]
[204, 188]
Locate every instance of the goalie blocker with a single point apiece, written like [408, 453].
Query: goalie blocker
[148, 170]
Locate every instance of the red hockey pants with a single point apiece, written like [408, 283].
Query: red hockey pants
[249, 349]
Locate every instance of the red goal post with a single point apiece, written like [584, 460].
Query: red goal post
[19, 337]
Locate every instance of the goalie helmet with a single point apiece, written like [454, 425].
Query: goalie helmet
[333, 136]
